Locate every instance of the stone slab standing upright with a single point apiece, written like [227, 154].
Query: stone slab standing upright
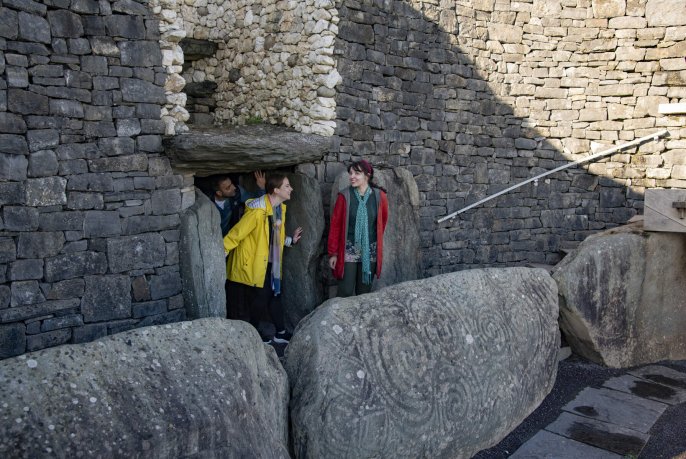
[302, 289]
[622, 297]
[201, 256]
[440, 367]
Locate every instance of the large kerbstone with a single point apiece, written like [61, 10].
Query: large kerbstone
[441, 367]
[302, 290]
[401, 256]
[622, 297]
[243, 148]
[201, 256]
[207, 388]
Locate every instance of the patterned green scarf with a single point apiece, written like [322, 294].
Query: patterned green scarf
[362, 234]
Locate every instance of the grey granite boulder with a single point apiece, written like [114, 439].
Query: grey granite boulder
[243, 148]
[201, 257]
[302, 290]
[440, 367]
[207, 388]
[401, 256]
[622, 297]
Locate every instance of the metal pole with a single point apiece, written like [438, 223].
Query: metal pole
[653, 136]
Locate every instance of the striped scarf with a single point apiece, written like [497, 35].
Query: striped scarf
[275, 248]
[362, 234]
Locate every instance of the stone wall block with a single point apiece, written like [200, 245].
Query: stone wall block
[27, 102]
[57, 323]
[140, 53]
[106, 298]
[13, 144]
[48, 191]
[135, 252]
[135, 90]
[165, 285]
[13, 167]
[25, 270]
[72, 288]
[91, 182]
[33, 28]
[43, 164]
[25, 293]
[12, 340]
[65, 24]
[43, 139]
[126, 163]
[20, 218]
[73, 265]
[9, 23]
[11, 124]
[40, 245]
[166, 202]
[43, 340]
[101, 224]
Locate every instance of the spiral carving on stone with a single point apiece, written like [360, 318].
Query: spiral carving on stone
[421, 371]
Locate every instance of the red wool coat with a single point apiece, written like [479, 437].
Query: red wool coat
[339, 229]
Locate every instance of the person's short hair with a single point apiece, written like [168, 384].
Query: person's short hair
[217, 180]
[274, 181]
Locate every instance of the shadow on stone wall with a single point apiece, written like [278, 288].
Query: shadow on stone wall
[412, 97]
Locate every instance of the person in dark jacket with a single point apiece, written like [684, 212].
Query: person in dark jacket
[229, 197]
[358, 222]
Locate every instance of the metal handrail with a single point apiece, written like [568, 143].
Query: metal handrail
[653, 137]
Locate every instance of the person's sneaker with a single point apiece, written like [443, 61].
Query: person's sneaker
[267, 340]
[282, 337]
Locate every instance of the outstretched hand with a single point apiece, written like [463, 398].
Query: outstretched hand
[260, 179]
[297, 235]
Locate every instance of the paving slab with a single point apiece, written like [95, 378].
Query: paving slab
[645, 388]
[600, 434]
[663, 375]
[547, 445]
[616, 407]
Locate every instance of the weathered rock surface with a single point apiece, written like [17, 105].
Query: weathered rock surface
[622, 297]
[401, 260]
[302, 290]
[243, 148]
[207, 388]
[201, 258]
[194, 49]
[440, 367]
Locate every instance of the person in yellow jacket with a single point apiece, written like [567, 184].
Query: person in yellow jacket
[255, 252]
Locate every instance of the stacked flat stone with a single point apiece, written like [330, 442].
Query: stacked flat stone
[89, 203]
[171, 27]
[274, 64]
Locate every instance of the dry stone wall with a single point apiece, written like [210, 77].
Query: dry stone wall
[274, 61]
[474, 96]
[89, 205]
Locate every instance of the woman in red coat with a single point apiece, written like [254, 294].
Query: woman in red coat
[358, 221]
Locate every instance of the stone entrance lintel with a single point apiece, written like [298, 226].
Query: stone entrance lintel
[243, 148]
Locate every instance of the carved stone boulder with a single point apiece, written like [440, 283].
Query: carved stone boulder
[440, 367]
[207, 388]
[622, 297]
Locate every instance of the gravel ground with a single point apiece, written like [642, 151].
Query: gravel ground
[667, 437]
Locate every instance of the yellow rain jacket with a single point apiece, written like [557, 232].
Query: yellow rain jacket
[248, 243]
